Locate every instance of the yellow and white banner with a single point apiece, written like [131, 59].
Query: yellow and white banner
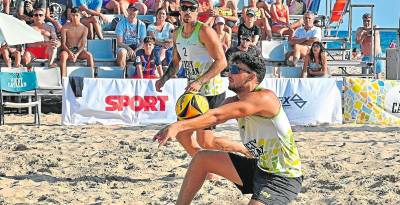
[369, 101]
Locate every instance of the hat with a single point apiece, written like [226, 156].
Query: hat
[219, 19]
[133, 5]
[250, 12]
[366, 15]
[194, 2]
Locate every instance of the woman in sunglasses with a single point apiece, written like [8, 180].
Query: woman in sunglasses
[270, 169]
[315, 63]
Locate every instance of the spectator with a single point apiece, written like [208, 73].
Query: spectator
[147, 63]
[5, 51]
[280, 19]
[248, 28]
[227, 9]
[205, 8]
[303, 38]
[130, 34]
[112, 6]
[223, 36]
[6, 6]
[245, 46]
[296, 7]
[355, 54]
[53, 19]
[74, 39]
[315, 63]
[91, 12]
[162, 32]
[46, 49]
[172, 8]
[364, 38]
[392, 44]
[262, 17]
[153, 6]
[26, 8]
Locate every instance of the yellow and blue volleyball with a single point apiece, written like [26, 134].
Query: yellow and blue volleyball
[190, 105]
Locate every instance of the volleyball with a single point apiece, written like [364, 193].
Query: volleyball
[190, 105]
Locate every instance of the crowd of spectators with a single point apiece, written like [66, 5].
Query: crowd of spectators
[150, 47]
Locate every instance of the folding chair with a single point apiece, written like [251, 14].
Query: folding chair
[17, 84]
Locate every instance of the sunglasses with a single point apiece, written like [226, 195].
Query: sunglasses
[234, 69]
[246, 39]
[316, 46]
[187, 8]
[36, 15]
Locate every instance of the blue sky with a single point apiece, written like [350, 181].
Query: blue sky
[386, 12]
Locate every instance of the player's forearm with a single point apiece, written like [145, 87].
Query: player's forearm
[171, 71]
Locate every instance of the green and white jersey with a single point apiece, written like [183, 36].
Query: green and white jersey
[271, 141]
[196, 60]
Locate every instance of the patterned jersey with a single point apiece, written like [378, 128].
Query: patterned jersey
[196, 60]
[271, 141]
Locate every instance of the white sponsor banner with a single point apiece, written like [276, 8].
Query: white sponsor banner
[135, 102]
[121, 101]
[309, 101]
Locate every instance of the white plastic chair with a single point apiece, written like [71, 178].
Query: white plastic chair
[274, 50]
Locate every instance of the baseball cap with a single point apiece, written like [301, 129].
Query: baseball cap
[194, 2]
[250, 12]
[219, 19]
[133, 5]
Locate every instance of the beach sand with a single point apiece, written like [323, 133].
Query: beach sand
[95, 164]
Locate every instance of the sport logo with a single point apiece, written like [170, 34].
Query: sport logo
[295, 99]
[136, 103]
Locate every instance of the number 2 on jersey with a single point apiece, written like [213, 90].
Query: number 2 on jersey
[184, 51]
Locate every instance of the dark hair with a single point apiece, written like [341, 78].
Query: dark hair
[148, 39]
[255, 63]
[75, 10]
[321, 49]
[160, 9]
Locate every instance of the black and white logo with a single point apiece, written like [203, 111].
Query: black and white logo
[295, 100]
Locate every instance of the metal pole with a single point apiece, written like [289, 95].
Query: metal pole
[350, 27]
[373, 42]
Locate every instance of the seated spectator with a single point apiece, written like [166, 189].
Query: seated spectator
[245, 46]
[204, 10]
[224, 36]
[162, 32]
[303, 38]
[25, 9]
[121, 6]
[5, 51]
[226, 9]
[296, 7]
[172, 7]
[53, 20]
[280, 19]
[148, 65]
[153, 6]
[91, 11]
[355, 55]
[315, 63]
[249, 28]
[130, 34]
[6, 6]
[74, 39]
[112, 6]
[261, 16]
[46, 49]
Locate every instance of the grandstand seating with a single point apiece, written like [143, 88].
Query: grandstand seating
[102, 50]
[110, 72]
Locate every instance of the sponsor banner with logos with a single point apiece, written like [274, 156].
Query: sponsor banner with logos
[121, 101]
[370, 101]
[309, 101]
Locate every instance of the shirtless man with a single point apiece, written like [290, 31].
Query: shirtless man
[73, 41]
[46, 49]
[364, 38]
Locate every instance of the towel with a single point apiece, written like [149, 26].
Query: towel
[76, 83]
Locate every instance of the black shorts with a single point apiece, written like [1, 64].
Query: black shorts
[266, 188]
[215, 101]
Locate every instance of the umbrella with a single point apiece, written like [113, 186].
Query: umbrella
[14, 31]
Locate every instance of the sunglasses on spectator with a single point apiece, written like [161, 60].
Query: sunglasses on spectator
[246, 39]
[315, 46]
[36, 15]
[234, 69]
[187, 8]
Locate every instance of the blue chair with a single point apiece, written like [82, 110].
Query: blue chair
[17, 84]
[102, 50]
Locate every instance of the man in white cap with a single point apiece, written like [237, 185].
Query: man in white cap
[224, 36]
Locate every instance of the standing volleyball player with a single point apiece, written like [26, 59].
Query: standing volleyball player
[273, 172]
[200, 52]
